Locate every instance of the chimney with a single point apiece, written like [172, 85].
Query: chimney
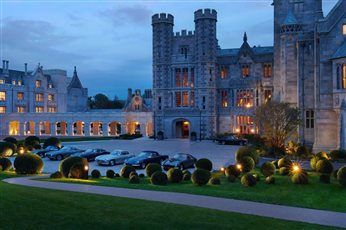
[129, 93]
[7, 65]
[3, 64]
[26, 68]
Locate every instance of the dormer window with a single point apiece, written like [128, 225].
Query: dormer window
[38, 83]
[344, 29]
[245, 70]
[50, 85]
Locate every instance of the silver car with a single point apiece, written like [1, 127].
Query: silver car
[115, 157]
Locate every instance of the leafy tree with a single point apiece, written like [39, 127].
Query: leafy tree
[277, 121]
[101, 101]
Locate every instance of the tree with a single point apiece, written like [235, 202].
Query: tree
[101, 101]
[276, 122]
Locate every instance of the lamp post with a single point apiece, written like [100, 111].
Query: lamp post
[200, 124]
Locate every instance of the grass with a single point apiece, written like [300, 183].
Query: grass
[315, 195]
[34, 208]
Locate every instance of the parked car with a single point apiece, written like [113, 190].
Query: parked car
[63, 153]
[179, 160]
[231, 140]
[91, 154]
[115, 157]
[42, 152]
[144, 158]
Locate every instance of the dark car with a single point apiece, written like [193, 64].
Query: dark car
[42, 152]
[91, 154]
[63, 153]
[231, 140]
[144, 158]
[180, 160]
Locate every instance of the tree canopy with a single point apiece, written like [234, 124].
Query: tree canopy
[101, 101]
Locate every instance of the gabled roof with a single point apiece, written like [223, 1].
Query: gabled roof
[75, 82]
[290, 19]
[341, 52]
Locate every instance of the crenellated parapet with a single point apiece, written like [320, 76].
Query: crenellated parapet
[184, 33]
[206, 14]
[162, 18]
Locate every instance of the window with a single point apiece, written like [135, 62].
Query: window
[267, 71]
[344, 29]
[245, 98]
[2, 81]
[183, 51]
[159, 99]
[38, 83]
[178, 99]
[245, 125]
[20, 109]
[177, 78]
[39, 96]
[185, 99]
[51, 109]
[2, 109]
[203, 100]
[20, 82]
[309, 119]
[39, 109]
[224, 99]
[50, 97]
[20, 96]
[343, 76]
[2, 96]
[185, 77]
[13, 82]
[192, 83]
[267, 95]
[223, 72]
[192, 99]
[245, 71]
[50, 85]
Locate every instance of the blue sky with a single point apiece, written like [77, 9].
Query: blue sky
[110, 41]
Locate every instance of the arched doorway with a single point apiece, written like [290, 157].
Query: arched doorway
[182, 129]
[61, 128]
[78, 128]
[45, 128]
[29, 128]
[14, 128]
[114, 128]
[96, 128]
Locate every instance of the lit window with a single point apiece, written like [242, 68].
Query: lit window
[245, 71]
[39, 96]
[20, 96]
[50, 86]
[344, 29]
[224, 99]
[177, 99]
[51, 109]
[344, 76]
[245, 125]
[185, 99]
[267, 95]
[223, 72]
[20, 109]
[39, 109]
[192, 99]
[2, 96]
[2, 109]
[177, 78]
[192, 78]
[185, 78]
[20, 82]
[309, 119]
[267, 70]
[245, 98]
[2, 81]
[38, 83]
[50, 97]
[13, 82]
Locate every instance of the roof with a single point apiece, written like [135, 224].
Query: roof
[259, 50]
[75, 82]
[290, 19]
[341, 52]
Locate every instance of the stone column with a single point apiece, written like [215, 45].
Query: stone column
[22, 129]
[37, 129]
[71, 133]
[105, 129]
[87, 129]
[52, 128]
[143, 129]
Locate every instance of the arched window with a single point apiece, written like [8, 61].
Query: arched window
[343, 76]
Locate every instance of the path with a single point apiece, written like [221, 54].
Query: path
[328, 218]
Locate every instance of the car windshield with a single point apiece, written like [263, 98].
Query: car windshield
[89, 151]
[51, 147]
[179, 157]
[144, 154]
[116, 153]
[66, 148]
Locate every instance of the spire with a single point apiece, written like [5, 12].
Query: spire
[245, 37]
[75, 82]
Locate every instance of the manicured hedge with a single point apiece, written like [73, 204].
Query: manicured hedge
[186, 175]
[246, 151]
[7, 149]
[200, 177]
[341, 176]
[175, 175]
[205, 164]
[268, 169]
[214, 181]
[232, 170]
[338, 154]
[284, 162]
[159, 178]
[324, 166]
[32, 141]
[300, 177]
[66, 164]
[270, 180]
[5, 164]
[126, 170]
[56, 175]
[78, 171]
[247, 164]
[28, 164]
[11, 140]
[134, 179]
[151, 168]
[248, 180]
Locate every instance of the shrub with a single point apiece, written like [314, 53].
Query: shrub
[248, 180]
[270, 180]
[232, 170]
[313, 162]
[284, 162]
[214, 181]
[325, 178]
[110, 173]
[268, 169]
[95, 173]
[28, 164]
[338, 154]
[247, 164]
[159, 178]
[32, 141]
[205, 164]
[341, 176]
[117, 175]
[257, 177]
[200, 177]
[133, 174]
[231, 178]
[52, 141]
[11, 140]
[275, 163]
[303, 151]
[175, 175]
[246, 151]
[300, 178]
[67, 163]
[284, 171]
[134, 179]
[6, 164]
[322, 155]
[126, 170]
[141, 175]
[151, 168]
[78, 171]
[324, 166]
[7, 149]
[0, 168]
[56, 175]
[186, 175]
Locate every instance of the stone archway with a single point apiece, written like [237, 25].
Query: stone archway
[61, 128]
[182, 128]
[114, 128]
[78, 128]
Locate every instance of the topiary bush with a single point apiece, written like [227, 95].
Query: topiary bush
[214, 181]
[247, 164]
[175, 175]
[67, 163]
[133, 174]
[126, 170]
[28, 164]
[284, 171]
[270, 180]
[200, 177]
[300, 178]
[7, 149]
[246, 151]
[117, 175]
[134, 179]
[341, 176]
[325, 178]
[159, 178]
[151, 168]
[302, 151]
[313, 162]
[231, 178]
[338, 154]
[95, 173]
[78, 171]
[324, 166]
[186, 175]
[52, 141]
[257, 177]
[11, 140]
[232, 170]
[284, 162]
[56, 175]
[248, 180]
[32, 141]
[268, 169]
[205, 164]
[141, 175]
[275, 163]
[5, 164]
[110, 173]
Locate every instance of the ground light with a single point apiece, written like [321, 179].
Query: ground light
[239, 167]
[296, 168]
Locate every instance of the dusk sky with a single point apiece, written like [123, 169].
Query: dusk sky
[110, 42]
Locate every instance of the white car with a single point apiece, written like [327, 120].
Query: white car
[115, 157]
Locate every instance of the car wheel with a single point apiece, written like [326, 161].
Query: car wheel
[59, 157]
[143, 165]
[112, 162]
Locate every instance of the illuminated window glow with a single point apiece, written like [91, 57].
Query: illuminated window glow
[178, 99]
[185, 77]
[20, 109]
[50, 97]
[177, 78]
[2, 96]
[38, 83]
[344, 29]
[267, 71]
[39, 96]
[245, 125]
[245, 98]
[185, 99]
[245, 71]
[2, 109]
[51, 109]
[39, 109]
[224, 99]
[20, 96]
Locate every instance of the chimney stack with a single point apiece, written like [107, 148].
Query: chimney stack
[7, 65]
[129, 93]
[26, 68]
[3, 64]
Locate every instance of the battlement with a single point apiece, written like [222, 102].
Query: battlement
[205, 14]
[184, 33]
[162, 18]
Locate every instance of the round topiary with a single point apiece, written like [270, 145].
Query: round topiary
[268, 169]
[67, 163]
[302, 151]
[313, 162]
[110, 173]
[232, 170]
[341, 176]
[325, 178]
[257, 177]
[28, 164]
[214, 181]
[324, 166]
[7, 149]
[246, 151]
[159, 178]
[52, 141]
[270, 180]
[338, 154]
[126, 170]
[95, 173]
[134, 179]
[175, 175]
[133, 174]
[284, 162]
[6, 164]
[300, 178]
[205, 164]
[248, 180]
[322, 155]
[231, 178]
[77, 171]
[56, 175]
[151, 168]
[275, 163]
[11, 140]
[247, 164]
[186, 176]
[117, 175]
[200, 177]
[32, 141]
[284, 171]
[141, 175]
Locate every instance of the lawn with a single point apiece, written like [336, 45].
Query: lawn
[33, 208]
[315, 195]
